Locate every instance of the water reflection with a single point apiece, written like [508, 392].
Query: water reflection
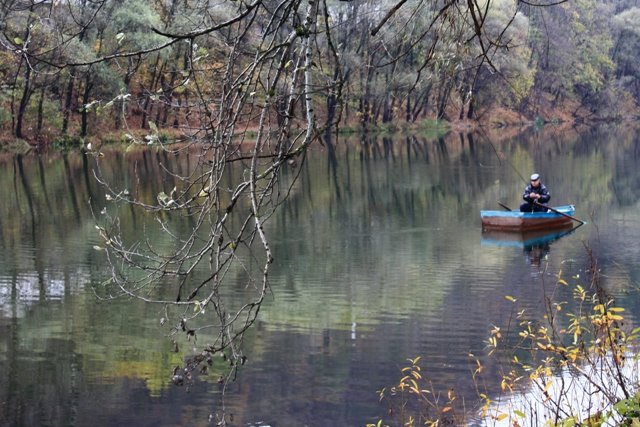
[379, 256]
[527, 240]
[535, 245]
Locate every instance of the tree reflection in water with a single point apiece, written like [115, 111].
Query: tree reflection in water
[386, 235]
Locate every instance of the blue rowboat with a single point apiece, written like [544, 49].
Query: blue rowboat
[527, 221]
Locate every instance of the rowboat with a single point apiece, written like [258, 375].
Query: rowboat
[527, 221]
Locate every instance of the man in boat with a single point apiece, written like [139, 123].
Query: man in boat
[535, 192]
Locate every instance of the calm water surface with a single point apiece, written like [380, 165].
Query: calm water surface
[379, 257]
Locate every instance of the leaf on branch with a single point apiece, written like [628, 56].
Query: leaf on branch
[165, 200]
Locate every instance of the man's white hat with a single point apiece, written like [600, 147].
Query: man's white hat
[535, 177]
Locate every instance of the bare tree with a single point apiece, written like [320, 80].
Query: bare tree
[248, 127]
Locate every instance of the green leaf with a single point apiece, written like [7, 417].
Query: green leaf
[18, 41]
[623, 406]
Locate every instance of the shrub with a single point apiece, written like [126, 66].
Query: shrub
[581, 368]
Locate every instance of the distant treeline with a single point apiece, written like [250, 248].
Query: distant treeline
[92, 68]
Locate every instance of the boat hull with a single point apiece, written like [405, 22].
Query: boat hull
[526, 221]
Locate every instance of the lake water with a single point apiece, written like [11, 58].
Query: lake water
[379, 257]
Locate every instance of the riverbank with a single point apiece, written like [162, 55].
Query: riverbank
[498, 123]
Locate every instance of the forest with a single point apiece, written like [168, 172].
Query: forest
[73, 71]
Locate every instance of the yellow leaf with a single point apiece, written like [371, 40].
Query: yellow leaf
[563, 282]
[501, 417]
[510, 298]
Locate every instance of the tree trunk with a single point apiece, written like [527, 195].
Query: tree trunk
[122, 112]
[40, 111]
[169, 92]
[88, 85]
[176, 117]
[24, 101]
[332, 100]
[421, 103]
[443, 101]
[470, 109]
[146, 110]
[66, 110]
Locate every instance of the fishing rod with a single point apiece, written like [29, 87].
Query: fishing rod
[535, 202]
[495, 150]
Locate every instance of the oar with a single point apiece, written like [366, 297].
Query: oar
[558, 212]
[505, 206]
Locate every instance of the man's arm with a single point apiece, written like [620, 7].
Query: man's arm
[545, 196]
